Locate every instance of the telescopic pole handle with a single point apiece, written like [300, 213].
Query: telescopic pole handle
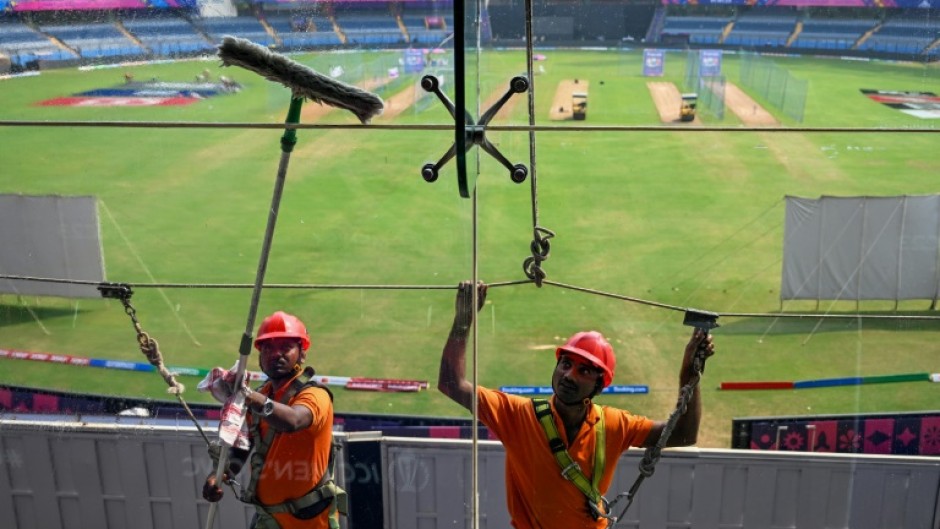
[288, 140]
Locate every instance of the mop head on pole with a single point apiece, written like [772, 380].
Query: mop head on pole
[301, 80]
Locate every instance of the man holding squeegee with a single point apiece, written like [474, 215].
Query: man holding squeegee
[555, 477]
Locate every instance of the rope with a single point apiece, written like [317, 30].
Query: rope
[151, 349]
[540, 247]
[653, 454]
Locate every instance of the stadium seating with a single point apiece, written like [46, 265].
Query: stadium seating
[298, 32]
[168, 36]
[700, 29]
[420, 33]
[762, 30]
[370, 30]
[92, 41]
[178, 32]
[905, 35]
[246, 27]
[25, 45]
[828, 34]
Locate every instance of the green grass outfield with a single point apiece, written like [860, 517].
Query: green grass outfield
[680, 218]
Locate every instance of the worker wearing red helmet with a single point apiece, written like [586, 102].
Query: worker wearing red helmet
[290, 420]
[538, 496]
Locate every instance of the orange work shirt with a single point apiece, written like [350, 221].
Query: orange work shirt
[297, 460]
[537, 495]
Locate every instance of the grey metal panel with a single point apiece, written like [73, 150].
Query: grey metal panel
[785, 502]
[36, 494]
[72, 459]
[50, 236]
[105, 476]
[428, 484]
[707, 505]
[757, 503]
[868, 488]
[806, 491]
[861, 248]
[731, 490]
[652, 499]
[837, 508]
[681, 486]
[75, 476]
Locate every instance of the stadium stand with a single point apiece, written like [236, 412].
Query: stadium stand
[426, 29]
[905, 34]
[699, 29]
[42, 40]
[297, 32]
[826, 34]
[246, 27]
[25, 45]
[370, 30]
[865, 32]
[763, 28]
[168, 36]
[92, 41]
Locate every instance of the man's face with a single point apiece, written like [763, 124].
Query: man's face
[279, 356]
[574, 379]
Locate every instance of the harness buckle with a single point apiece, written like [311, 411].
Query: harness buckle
[569, 471]
[597, 513]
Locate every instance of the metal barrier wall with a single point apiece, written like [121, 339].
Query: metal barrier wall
[111, 476]
[74, 475]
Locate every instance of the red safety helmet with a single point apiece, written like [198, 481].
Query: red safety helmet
[595, 349]
[282, 325]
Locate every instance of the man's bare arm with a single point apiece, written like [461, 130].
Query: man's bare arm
[685, 432]
[452, 378]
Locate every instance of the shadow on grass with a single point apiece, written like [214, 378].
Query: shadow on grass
[12, 313]
[792, 323]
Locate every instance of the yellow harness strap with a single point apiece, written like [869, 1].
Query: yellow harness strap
[569, 469]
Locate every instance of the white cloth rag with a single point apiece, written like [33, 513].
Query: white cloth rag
[233, 430]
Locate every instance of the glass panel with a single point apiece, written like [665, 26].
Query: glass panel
[665, 141]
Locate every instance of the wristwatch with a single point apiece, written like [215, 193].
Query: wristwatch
[267, 408]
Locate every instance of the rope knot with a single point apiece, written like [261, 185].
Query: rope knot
[150, 349]
[648, 465]
[540, 248]
[533, 270]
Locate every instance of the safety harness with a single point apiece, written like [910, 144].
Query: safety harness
[325, 491]
[704, 321]
[570, 470]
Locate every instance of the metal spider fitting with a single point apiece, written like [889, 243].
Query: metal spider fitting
[474, 133]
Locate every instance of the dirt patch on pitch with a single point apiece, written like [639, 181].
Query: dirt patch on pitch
[400, 102]
[561, 105]
[748, 111]
[668, 101]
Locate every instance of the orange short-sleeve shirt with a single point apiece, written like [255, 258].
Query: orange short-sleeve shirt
[538, 497]
[297, 460]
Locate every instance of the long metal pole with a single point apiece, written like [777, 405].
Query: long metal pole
[288, 140]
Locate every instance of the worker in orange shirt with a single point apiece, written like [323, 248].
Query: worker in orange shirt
[538, 496]
[290, 422]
